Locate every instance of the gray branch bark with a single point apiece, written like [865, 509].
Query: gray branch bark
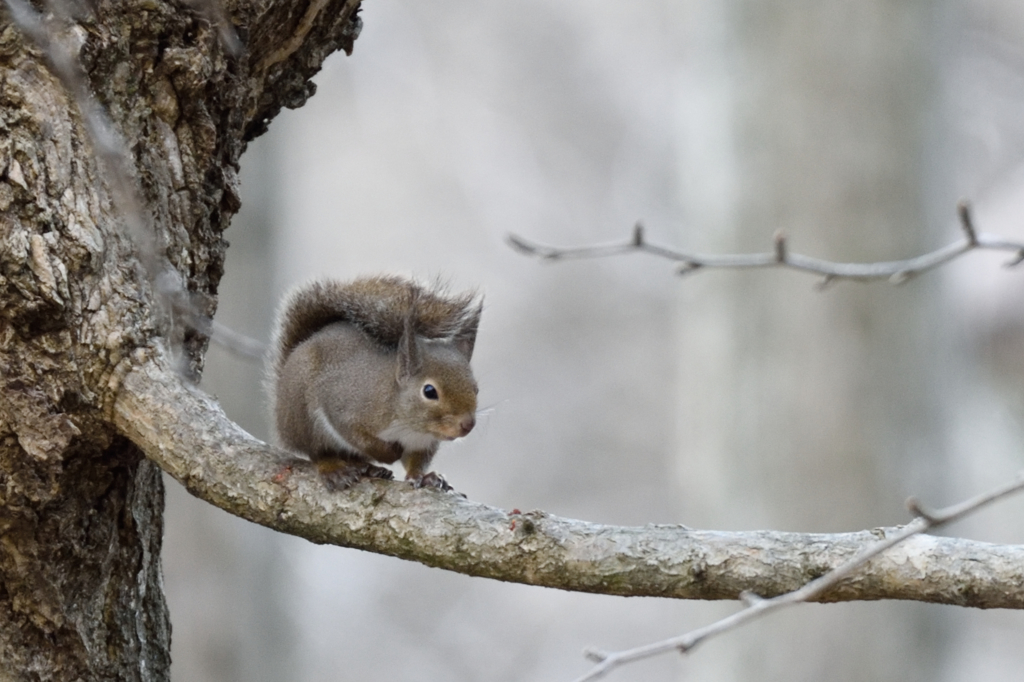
[897, 272]
[187, 434]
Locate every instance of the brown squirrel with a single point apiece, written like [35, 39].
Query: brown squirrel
[373, 370]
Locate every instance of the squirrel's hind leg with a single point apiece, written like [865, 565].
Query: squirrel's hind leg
[339, 473]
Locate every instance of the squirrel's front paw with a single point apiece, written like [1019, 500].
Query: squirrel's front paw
[430, 479]
[339, 474]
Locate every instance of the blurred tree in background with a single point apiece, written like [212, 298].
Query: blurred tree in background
[724, 400]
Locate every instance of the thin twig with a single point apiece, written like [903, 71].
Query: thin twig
[897, 271]
[756, 606]
[238, 344]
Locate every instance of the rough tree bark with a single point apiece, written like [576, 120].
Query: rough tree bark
[80, 506]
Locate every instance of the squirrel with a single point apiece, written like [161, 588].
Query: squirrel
[374, 370]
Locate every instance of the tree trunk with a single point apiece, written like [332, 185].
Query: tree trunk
[81, 514]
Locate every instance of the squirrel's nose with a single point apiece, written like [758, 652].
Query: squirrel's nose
[467, 423]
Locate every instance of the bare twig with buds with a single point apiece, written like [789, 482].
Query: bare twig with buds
[897, 271]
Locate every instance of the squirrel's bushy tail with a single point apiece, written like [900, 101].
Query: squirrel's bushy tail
[377, 305]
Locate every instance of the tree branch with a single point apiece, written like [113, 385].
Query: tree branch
[186, 433]
[758, 606]
[897, 271]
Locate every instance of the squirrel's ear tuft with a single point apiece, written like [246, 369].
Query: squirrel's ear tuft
[410, 360]
[465, 337]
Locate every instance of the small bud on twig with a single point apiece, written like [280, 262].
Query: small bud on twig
[638, 234]
[749, 598]
[780, 246]
[687, 268]
[963, 209]
[918, 509]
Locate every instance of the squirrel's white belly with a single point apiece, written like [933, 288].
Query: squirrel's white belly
[409, 438]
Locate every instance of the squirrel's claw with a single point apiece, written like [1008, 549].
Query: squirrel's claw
[431, 479]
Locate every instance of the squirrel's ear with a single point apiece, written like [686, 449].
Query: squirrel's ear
[410, 363]
[465, 338]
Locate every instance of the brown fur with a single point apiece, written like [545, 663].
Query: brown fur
[377, 305]
[349, 368]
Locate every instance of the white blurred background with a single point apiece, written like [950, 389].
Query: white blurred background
[621, 393]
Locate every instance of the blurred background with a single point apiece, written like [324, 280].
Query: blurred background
[620, 392]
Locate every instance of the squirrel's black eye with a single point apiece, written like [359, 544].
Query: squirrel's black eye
[429, 392]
